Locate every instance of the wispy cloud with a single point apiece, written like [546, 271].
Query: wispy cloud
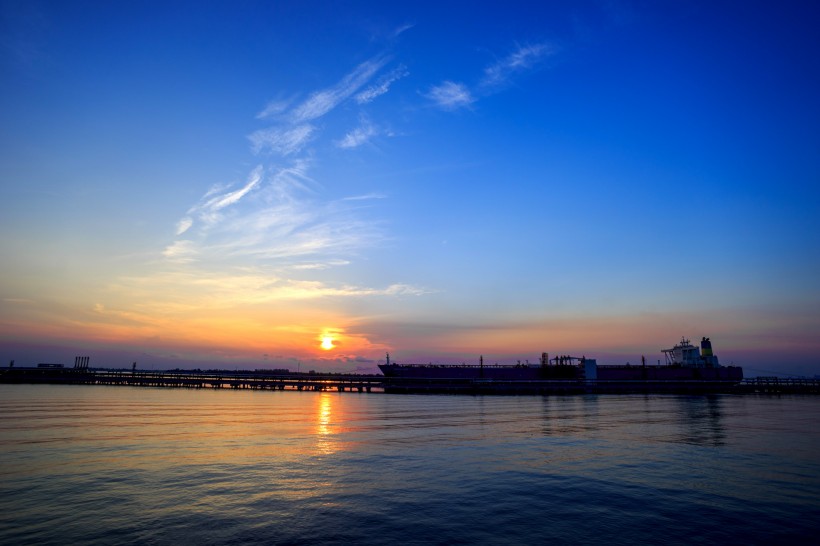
[285, 180]
[221, 201]
[320, 265]
[286, 232]
[358, 136]
[184, 224]
[402, 29]
[382, 86]
[275, 217]
[18, 300]
[284, 141]
[294, 129]
[322, 102]
[315, 289]
[253, 241]
[207, 211]
[523, 58]
[450, 95]
[182, 251]
[191, 290]
[274, 108]
[366, 197]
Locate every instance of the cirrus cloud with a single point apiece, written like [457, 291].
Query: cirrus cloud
[450, 95]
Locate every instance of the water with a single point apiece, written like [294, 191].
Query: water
[88, 464]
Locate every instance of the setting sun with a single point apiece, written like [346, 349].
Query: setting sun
[327, 343]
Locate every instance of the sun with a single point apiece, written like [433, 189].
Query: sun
[327, 343]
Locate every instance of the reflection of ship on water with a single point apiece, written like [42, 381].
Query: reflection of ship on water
[688, 368]
[693, 420]
[572, 416]
[701, 416]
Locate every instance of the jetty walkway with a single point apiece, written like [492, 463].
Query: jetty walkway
[218, 379]
[779, 385]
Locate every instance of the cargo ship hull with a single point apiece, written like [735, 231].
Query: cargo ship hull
[687, 371]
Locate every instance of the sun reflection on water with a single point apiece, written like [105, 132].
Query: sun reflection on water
[325, 441]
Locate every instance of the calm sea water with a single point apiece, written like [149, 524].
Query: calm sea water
[86, 464]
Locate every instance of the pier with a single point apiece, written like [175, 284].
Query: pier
[364, 383]
[779, 385]
[218, 379]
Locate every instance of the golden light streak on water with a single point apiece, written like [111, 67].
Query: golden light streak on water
[325, 442]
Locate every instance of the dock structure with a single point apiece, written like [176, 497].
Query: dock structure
[779, 385]
[281, 380]
[220, 379]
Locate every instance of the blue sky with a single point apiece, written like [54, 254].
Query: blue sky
[233, 183]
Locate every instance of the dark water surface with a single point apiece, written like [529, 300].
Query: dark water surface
[88, 464]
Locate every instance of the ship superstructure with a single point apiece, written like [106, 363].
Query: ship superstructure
[688, 355]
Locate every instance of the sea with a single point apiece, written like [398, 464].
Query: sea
[139, 465]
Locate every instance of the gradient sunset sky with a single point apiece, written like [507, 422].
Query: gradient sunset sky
[281, 184]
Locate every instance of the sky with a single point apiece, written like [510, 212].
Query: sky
[311, 185]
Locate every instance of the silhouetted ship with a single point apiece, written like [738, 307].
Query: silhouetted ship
[687, 369]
